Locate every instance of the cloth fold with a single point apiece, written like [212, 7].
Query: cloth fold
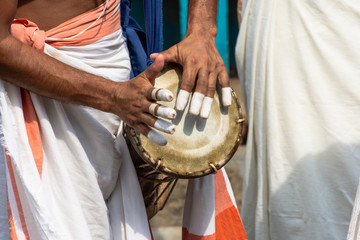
[298, 65]
[210, 210]
[28, 33]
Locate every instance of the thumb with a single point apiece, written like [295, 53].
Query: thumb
[169, 55]
[153, 70]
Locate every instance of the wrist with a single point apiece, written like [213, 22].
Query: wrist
[209, 33]
[116, 93]
[202, 16]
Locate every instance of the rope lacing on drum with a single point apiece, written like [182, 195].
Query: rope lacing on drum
[240, 120]
[155, 189]
[155, 170]
[143, 165]
[213, 167]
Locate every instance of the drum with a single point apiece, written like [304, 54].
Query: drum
[197, 148]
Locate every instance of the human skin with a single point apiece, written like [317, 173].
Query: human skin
[197, 52]
[239, 10]
[23, 65]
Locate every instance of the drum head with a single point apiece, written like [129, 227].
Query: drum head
[199, 146]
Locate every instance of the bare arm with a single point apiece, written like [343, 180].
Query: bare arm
[239, 10]
[197, 53]
[202, 17]
[33, 70]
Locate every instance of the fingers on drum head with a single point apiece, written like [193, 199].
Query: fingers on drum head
[162, 111]
[196, 102]
[201, 104]
[206, 107]
[226, 96]
[157, 138]
[161, 94]
[164, 126]
[182, 99]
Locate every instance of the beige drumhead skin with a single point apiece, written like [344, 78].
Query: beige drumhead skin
[197, 143]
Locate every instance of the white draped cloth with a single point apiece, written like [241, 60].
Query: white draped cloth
[299, 66]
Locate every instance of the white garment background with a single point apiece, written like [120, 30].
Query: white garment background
[299, 65]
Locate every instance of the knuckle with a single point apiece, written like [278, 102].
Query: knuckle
[209, 64]
[188, 85]
[211, 89]
[138, 104]
[193, 61]
[211, 67]
[142, 129]
[203, 76]
[201, 87]
[131, 122]
[220, 64]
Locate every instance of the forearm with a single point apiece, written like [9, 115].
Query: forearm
[33, 70]
[201, 61]
[239, 11]
[202, 17]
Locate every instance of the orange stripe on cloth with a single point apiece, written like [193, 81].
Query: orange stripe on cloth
[228, 224]
[189, 236]
[32, 129]
[17, 198]
[152, 237]
[12, 230]
[106, 25]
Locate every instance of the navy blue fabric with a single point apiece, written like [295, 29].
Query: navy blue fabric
[153, 25]
[141, 45]
[4, 219]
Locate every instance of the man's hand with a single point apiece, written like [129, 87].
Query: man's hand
[134, 102]
[202, 65]
[200, 59]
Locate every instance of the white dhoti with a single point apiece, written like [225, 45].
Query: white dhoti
[298, 62]
[69, 173]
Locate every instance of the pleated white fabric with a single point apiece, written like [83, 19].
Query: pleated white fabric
[298, 62]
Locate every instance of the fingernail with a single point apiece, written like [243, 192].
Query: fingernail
[166, 112]
[226, 96]
[157, 138]
[165, 95]
[196, 103]
[206, 107]
[182, 99]
[162, 94]
[164, 126]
